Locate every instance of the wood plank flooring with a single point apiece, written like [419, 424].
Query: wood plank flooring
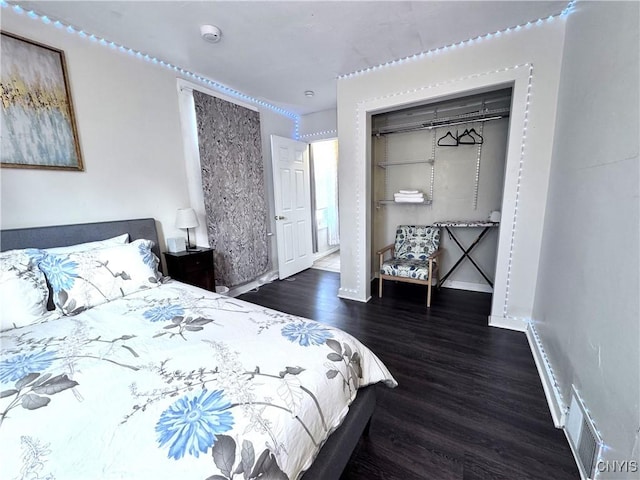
[469, 404]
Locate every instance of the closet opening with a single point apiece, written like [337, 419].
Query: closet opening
[443, 164]
[323, 157]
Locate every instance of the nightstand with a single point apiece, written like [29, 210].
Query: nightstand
[194, 267]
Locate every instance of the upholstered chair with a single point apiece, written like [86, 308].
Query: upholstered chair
[414, 257]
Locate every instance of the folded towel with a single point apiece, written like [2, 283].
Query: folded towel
[409, 200]
[409, 191]
[408, 195]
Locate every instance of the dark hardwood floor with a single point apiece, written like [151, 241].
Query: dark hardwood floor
[469, 404]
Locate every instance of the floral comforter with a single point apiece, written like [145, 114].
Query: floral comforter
[175, 382]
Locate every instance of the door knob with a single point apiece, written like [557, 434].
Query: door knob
[280, 217]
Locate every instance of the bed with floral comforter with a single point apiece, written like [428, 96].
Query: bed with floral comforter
[175, 382]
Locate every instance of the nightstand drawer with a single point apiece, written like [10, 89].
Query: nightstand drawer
[195, 263]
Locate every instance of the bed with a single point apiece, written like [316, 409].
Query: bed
[128, 374]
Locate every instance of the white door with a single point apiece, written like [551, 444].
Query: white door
[292, 194]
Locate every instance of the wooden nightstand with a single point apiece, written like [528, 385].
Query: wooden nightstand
[192, 267]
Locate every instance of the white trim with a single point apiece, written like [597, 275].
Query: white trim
[551, 392]
[471, 286]
[187, 85]
[350, 294]
[517, 76]
[508, 323]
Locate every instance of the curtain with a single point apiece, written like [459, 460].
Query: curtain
[233, 186]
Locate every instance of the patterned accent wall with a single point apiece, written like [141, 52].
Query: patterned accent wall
[233, 187]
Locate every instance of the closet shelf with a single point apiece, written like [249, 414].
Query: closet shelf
[381, 203]
[407, 162]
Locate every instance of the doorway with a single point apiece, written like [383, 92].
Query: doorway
[324, 204]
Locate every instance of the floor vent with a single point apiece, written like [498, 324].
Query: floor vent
[583, 437]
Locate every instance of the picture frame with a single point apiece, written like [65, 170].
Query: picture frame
[37, 125]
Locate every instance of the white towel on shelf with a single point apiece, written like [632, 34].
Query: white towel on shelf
[409, 192]
[408, 195]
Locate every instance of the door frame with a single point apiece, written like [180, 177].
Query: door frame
[519, 78]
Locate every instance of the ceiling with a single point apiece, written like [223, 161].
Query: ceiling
[274, 51]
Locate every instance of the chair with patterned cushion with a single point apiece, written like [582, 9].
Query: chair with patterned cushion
[414, 256]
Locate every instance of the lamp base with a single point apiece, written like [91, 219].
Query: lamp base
[189, 247]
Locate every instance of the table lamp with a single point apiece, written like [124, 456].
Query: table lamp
[187, 218]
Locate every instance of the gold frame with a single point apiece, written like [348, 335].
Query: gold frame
[54, 106]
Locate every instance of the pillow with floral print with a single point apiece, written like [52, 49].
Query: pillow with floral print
[81, 280]
[23, 289]
[83, 247]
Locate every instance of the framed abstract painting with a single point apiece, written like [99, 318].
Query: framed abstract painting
[37, 124]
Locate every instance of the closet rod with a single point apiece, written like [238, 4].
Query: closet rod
[446, 122]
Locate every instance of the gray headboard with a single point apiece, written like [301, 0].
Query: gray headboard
[64, 235]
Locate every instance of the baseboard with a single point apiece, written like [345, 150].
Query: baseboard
[326, 253]
[470, 286]
[509, 323]
[549, 384]
[257, 283]
[350, 294]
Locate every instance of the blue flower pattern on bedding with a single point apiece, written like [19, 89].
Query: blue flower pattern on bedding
[162, 313]
[19, 366]
[306, 333]
[148, 257]
[220, 403]
[60, 271]
[191, 424]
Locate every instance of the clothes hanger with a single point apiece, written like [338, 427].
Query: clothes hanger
[453, 139]
[476, 136]
[469, 140]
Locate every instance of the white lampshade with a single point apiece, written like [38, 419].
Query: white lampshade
[186, 218]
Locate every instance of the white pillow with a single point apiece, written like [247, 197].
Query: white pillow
[23, 289]
[83, 247]
[81, 280]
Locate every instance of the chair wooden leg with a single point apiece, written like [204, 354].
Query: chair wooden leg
[380, 287]
[429, 285]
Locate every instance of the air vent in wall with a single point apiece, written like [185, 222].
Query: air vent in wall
[584, 440]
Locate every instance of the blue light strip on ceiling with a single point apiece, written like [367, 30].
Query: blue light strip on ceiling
[471, 41]
[235, 93]
[135, 53]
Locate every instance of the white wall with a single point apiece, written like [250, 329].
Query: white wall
[318, 126]
[507, 59]
[586, 305]
[131, 140]
[126, 112]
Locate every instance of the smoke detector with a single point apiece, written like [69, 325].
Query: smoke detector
[210, 33]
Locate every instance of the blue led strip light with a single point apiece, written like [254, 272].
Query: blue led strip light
[471, 41]
[135, 53]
